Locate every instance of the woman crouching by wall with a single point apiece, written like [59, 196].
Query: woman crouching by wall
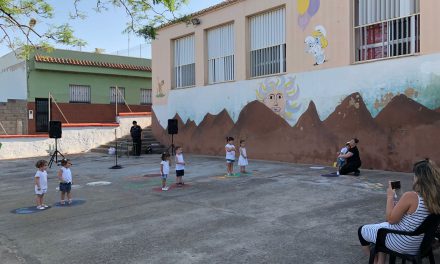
[409, 212]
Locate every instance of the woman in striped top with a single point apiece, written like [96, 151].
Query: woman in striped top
[408, 213]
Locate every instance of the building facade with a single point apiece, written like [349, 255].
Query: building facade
[81, 88]
[297, 79]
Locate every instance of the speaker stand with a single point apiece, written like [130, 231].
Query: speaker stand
[171, 146]
[116, 166]
[55, 154]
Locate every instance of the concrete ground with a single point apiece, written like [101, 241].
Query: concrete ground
[280, 213]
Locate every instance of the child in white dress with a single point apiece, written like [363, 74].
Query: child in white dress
[242, 159]
[41, 183]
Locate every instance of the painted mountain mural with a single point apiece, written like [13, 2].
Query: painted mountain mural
[402, 133]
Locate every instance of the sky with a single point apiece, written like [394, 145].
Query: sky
[104, 30]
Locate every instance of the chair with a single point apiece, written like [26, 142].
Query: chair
[428, 228]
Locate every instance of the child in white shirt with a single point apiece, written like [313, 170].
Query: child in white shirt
[341, 161]
[180, 166]
[65, 177]
[230, 155]
[165, 169]
[41, 183]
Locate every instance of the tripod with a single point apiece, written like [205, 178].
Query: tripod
[116, 166]
[172, 147]
[55, 154]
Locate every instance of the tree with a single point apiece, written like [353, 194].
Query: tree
[19, 17]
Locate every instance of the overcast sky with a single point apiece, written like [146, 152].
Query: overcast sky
[104, 30]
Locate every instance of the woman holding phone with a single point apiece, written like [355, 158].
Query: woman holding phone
[408, 213]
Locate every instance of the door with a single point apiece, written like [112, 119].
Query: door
[41, 115]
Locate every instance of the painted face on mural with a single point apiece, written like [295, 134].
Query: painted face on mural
[281, 95]
[276, 102]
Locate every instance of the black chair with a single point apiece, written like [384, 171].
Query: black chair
[428, 228]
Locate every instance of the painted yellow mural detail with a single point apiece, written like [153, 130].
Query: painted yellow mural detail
[306, 10]
[280, 94]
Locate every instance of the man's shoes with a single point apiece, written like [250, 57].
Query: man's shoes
[357, 173]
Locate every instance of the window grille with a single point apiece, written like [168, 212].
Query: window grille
[120, 96]
[386, 28]
[184, 62]
[221, 54]
[145, 96]
[268, 43]
[79, 93]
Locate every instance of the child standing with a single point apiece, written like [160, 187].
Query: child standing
[165, 169]
[341, 161]
[242, 159]
[180, 166]
[41, 183]
[230, 155]
[65, 177]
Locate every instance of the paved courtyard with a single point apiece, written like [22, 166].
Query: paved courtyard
[280, 213]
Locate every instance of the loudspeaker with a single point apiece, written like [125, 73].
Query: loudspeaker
[55, 129]
[172, 126]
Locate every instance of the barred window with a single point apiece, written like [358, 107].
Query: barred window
[386, 28]
[184, 62]
[145, 96]
[268, 43]
[221, 54]
[117, 95]
[79, 93]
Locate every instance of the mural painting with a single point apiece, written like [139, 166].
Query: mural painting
[395, 114]
[281, 95]
[316, 43]
[160, 85]
[306, 10]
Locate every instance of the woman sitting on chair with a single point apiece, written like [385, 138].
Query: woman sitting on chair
[408, 213]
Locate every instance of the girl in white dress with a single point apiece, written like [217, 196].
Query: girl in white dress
[242, 159]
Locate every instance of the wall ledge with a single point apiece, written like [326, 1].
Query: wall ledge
[90, 125]
[25, 136]
[135, 114]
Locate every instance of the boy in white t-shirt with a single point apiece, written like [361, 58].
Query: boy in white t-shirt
[341, 161]
[180, 166]
[65, 177]
[230, 155]
[41, 183]
[165, 169]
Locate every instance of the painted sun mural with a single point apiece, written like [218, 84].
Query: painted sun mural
[280, 94]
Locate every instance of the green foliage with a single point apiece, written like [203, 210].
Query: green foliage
[18, 19]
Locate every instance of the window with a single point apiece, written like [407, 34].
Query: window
[221, 54]
[386, 28]
[184, 62]
[268, 43]
[145, 96]
[79, 93]
[117, 95]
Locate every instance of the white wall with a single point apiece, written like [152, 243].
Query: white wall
[12, 78]
[74, 140]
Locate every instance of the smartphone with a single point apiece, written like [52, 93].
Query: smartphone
[395, 185]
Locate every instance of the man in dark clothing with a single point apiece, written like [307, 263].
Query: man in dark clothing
[353, 160]
[136, 132]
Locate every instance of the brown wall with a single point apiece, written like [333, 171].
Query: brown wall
[13, 116]
[86, 113]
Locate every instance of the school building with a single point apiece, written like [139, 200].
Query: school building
[71, 87]
[296, 79]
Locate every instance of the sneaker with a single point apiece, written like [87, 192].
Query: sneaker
[62, 202]
[45, 205]
[165, 188]
[70, 201]
[40, 207]
[337, 173]
[357, 173]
